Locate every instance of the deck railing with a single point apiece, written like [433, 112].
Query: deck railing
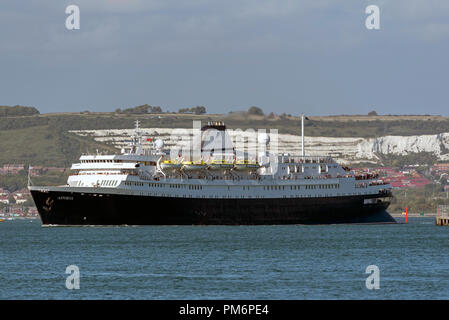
[306, 159]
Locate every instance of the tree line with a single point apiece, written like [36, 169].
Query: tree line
[7, 111]
[142, 109]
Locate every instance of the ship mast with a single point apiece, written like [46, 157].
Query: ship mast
[302, 135]
[138, 139]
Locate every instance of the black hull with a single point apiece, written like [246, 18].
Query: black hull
[75, 208]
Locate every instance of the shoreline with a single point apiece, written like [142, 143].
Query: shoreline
[414, 215]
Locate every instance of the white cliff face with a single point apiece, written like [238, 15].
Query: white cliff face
[346, 150]
[437, 144]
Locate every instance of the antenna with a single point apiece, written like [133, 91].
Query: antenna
[302, 135]
[137, 140]
[30, 183]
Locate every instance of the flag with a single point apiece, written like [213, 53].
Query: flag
[149, 139]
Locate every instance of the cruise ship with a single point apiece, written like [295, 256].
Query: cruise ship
[221, 186]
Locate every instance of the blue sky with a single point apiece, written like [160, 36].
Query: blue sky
[312, 56]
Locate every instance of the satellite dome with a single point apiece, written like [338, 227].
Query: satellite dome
[159, 144]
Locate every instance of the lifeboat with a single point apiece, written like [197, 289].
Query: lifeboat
[246, 165]
[220, 165]
[171, 165]
[193, 165]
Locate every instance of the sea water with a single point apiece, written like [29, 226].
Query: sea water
[225, 262]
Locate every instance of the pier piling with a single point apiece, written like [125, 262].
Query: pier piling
[442, 218]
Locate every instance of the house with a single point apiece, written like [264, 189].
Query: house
[55, 169]
[4, 200]
[36, 171]
[22, 193]
[4, 192]
[12, 168]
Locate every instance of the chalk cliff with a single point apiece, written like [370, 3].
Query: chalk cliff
[346, 150]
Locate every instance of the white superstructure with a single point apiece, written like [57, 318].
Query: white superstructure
[217, 174]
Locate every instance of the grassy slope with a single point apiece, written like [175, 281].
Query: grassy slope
[43, 145]
[23, 145]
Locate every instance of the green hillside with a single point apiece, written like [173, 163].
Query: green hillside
[44, 145]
